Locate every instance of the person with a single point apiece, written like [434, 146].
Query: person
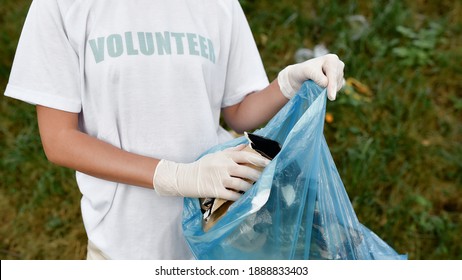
[130, 93]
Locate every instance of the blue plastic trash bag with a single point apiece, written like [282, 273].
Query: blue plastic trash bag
[298, 209]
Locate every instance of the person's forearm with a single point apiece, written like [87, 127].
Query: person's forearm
[256, 109]
[71, 148]
[99, 159]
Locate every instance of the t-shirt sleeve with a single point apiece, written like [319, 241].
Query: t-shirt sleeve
[45, 68]
[245, 72]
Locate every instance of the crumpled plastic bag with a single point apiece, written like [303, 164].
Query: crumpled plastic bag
[298, 209]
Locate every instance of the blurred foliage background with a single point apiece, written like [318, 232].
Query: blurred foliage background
[395, 131]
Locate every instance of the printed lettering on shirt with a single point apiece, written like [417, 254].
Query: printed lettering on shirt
[151, 43]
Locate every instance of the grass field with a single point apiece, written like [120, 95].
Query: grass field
[395, 132]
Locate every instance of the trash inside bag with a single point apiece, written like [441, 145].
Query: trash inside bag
[213, 209]
[298, 209]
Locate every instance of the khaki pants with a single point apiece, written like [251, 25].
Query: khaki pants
[94, 253]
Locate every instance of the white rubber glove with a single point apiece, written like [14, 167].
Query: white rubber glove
[326, 71]
[214, 175]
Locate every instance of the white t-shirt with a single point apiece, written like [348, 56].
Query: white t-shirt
[147, 76]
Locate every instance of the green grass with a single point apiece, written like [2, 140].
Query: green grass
[398, 151]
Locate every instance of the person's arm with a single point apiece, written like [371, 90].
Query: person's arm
[256, 108]
[66, 146]
[259, 107]
[214, 175]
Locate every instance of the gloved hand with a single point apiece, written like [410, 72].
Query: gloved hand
[215, 175]
[326, 71]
